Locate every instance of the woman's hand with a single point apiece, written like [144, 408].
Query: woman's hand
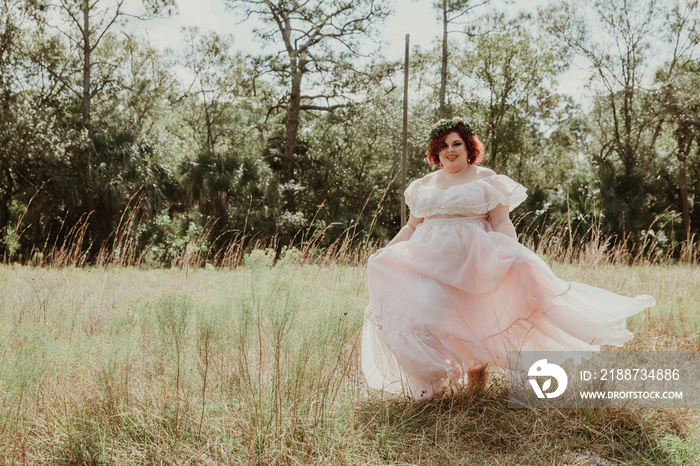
[406, 232]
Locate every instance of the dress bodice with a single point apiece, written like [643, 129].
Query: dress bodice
[475, 198]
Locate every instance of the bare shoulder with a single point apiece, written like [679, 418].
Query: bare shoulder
[426, 179]
[482, 172]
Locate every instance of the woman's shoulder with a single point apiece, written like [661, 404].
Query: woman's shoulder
[424, 180]
[501, 189]
[428, 177]
[413, 186]
[482, 172]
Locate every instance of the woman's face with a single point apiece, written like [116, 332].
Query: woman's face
[453, 155]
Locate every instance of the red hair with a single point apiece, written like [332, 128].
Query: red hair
[475, 148]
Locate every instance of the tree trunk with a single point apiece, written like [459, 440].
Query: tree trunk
[290, 135]
[443, 70]
[685, 206]
[493, 162]
[697, 173]
[86, 61]
[4, 210]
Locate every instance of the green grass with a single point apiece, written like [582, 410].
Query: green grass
[260, 365]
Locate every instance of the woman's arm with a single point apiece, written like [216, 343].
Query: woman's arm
[500, 221]
[407, 231]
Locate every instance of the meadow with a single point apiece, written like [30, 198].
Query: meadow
[259, 364]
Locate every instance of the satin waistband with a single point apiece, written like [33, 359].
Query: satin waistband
[438, 220]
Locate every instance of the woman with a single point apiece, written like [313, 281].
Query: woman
[454, 291]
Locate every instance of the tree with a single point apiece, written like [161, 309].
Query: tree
[508, 81]
[682, 105]
[318, 37]
[226, 98]
[9, 37]
[77, 170]
[83, 25]
[617, 56]
[450, 12]
[624, 117]
[30, 149]
[98, 157]
[679, 81]
[352, 164]
[224, 105]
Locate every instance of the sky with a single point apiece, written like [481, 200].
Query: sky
[414, 17]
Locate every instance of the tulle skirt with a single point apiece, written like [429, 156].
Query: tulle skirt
[458, 296]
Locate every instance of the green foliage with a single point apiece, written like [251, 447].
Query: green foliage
[169, 170]
[510, 70]
[173, 312]
[170, 237]
[260, 259]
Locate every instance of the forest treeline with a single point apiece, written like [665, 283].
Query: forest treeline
[108, 142]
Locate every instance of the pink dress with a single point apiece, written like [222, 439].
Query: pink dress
[458, 295]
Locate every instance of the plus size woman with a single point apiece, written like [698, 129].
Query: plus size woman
[454, 291]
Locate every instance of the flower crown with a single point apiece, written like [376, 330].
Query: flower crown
[446, 124]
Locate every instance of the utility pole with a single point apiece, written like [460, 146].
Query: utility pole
[405, 135]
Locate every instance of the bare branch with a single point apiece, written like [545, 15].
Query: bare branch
[320, 96]
[77, 21]
[315, 34]
[109, 25]
[326, 108]
[281, 104]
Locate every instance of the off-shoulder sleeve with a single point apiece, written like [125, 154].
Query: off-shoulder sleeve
[501, 189]
[409, 194]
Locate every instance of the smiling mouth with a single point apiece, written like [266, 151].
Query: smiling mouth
[451, 158]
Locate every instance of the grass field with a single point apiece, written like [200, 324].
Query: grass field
[259, 365]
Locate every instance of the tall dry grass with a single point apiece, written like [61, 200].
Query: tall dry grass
[259, 365]
[559, 240]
